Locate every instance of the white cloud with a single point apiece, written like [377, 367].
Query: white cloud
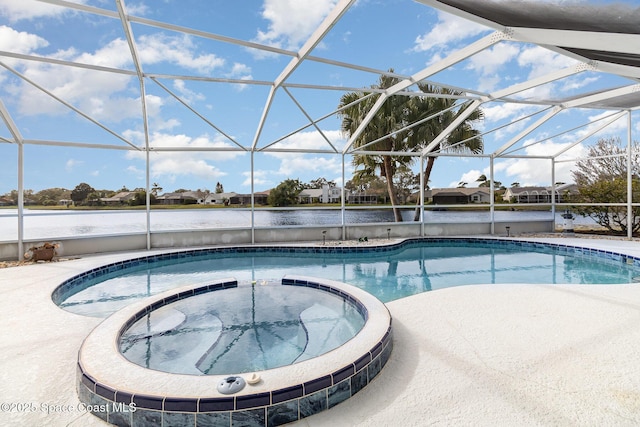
[88, 90]
[538, 171]
[338, 179]
[489, 62]
[449, 29]
[312, 141]
[291, 22]
[16, 10]
[20, 41]
[240, 71]
[595, 121]
[103, 96]
[179, 50]
[113, 54]
[136, 171]
[171, 164]
[295, 163]
[187, 95]
[493, 65]
[578, 82]
[502, 111]
[526, 171]
[542, 61]
[165, 125]
[17, 41]
[139, 9]
[71, 164]
[260, 178]
[292, 164]
[469, 177]
[617, 127]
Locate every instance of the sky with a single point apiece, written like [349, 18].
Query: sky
[210, 126]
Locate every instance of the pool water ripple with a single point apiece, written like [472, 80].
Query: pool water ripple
[249, 328]
[388, 272]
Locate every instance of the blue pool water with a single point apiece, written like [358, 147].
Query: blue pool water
[249, 328]
[388, 272]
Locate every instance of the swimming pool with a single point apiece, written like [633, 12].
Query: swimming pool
[133, 289]
[388, 272]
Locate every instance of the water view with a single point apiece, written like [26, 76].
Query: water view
[49, 224]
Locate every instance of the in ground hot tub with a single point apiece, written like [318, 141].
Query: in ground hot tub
[251, 327]
[230, 354]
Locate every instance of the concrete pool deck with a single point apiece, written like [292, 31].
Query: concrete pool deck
[470, 355]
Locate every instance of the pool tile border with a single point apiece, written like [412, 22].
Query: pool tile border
[271, 408]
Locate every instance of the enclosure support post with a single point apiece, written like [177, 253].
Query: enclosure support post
[630, 219]
[148, 198]
[253, 224]
[342, 203]
[553, 192]
[20, 201]
[422, 188]
[492, 196]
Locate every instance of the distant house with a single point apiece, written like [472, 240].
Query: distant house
[121, 198]
[186, 198]
[245, 199]
[5, 201]
[362, 198]
[310, 195]
[533, 194]
[458, 196]
[218, 198]
[199, 196]
[331, 194]
[326, 194]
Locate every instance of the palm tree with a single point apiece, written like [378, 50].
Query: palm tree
[388, 129]
[464, 138]
[156, 189]
[391, 117]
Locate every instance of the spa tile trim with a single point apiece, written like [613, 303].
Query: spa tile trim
[205, 404]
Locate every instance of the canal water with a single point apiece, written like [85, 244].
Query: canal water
[42, 224]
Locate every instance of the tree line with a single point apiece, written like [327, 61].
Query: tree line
[601, 178]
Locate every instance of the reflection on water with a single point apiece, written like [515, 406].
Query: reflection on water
[244, 329]
[413, 268]
[53, 224]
